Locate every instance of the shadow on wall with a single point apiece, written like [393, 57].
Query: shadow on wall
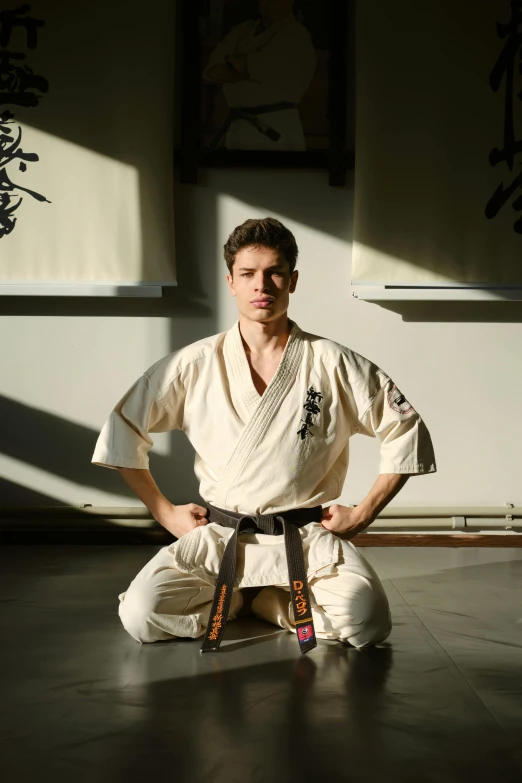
[183, 301]
[64, 449]
[454, 312]
[13, 494]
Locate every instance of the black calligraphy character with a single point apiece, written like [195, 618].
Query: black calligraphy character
[13, 18]
[11, 150]
[17, 81]
[308, 422]
[19, 85]
[312, 394]
[505, 67]
[9, 147]
[7, 185]
[312, 407]
[7, 223]
[304, 431]
[501, 196]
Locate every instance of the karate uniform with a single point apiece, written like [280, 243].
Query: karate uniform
[287, 448]
[281, 62]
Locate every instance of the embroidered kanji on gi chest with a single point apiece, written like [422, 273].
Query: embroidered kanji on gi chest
[311, 406]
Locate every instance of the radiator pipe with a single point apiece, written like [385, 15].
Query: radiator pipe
[395, 518]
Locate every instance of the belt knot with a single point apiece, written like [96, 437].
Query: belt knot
[270, 524]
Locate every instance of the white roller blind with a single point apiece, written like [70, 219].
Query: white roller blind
[428, 118]
[103, 134]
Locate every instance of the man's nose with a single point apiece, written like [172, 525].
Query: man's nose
[262, 282]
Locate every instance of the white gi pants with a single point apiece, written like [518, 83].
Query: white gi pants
[172, 594]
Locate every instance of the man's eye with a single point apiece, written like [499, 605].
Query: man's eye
[246, 274]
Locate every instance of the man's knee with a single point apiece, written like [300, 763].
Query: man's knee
[370, 615]
[374, 633]
[135, 612]
[151, 613]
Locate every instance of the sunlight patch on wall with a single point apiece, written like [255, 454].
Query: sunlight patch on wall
[91, 229]
[370, 265]
[56, 487]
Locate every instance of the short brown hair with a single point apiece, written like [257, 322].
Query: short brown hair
[268, 232]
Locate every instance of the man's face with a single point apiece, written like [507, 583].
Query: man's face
[261, 283]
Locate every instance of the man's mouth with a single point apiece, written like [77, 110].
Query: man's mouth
[262, 302]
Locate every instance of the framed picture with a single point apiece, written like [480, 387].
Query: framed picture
[266, 83]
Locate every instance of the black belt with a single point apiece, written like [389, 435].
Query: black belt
[286, 523]
[249, 113]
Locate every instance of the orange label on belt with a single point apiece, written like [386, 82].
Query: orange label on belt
[300, 602]
[217, 620]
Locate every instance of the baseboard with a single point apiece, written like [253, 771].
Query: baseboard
[438, 539]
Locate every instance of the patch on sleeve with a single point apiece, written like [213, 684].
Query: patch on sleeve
[398, 402]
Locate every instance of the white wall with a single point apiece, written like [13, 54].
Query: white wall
[62, 374]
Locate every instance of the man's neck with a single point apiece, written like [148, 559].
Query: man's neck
[265, 340]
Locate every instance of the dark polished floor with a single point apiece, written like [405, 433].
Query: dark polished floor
[441, 700]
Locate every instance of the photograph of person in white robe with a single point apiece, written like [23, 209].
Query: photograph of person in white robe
[265, 66]
[270, 410]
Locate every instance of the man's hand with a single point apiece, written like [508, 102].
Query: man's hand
[180, 520]
[347, 522]
[343, 521]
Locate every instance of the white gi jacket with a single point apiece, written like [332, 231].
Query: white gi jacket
[267, 453]
[281, 63]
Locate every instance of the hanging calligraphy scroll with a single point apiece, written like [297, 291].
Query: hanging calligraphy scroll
[86, 137]
[438, 190]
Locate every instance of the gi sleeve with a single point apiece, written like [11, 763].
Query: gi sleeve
[406, 445]
[125, 440]
[228, 45]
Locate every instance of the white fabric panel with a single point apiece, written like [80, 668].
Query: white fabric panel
[427, 120]
[104, 137]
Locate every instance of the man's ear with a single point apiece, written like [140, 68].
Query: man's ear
[293, 280]
[231, 285]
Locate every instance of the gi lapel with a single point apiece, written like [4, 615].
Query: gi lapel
[263, 408]
[261, 38]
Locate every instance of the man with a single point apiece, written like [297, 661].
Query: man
[269, 410]
[265, 66]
